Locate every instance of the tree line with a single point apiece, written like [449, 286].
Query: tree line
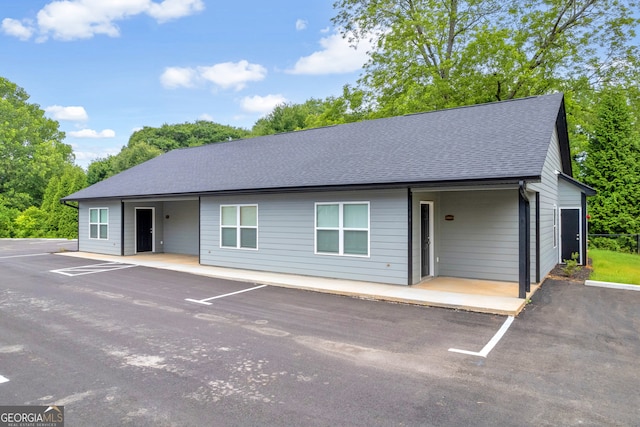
[427, 55]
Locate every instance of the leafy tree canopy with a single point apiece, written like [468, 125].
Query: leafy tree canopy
[31, 151]
[313, 113]
[434, 54]
[61, 220]
[150, 142]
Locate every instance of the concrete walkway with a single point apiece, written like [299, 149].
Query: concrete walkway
[463, 294]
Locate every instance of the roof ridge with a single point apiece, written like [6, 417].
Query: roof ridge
[484, 104]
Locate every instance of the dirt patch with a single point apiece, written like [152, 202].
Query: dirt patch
[581, 273]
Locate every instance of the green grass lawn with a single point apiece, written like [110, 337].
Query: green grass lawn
[615, 267]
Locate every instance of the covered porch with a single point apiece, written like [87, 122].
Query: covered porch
[483, 296]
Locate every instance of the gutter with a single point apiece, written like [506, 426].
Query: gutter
[64, 202]
[321, 188]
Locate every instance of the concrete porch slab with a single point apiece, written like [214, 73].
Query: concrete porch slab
[460, 294]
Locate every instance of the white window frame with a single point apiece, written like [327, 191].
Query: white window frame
[239, 227]
[98, 224]
[555, 226]
[341, 229]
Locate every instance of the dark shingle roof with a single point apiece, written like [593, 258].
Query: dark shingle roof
[502, 140]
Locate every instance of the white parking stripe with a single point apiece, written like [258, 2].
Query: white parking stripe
[205, 301]
[23, 256]
[3, 379]
[90, 269]
[492, 342]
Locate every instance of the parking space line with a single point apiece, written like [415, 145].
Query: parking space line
[492, 342]
[90, 269]
[3, 379]
[205, 301]
[23, 256]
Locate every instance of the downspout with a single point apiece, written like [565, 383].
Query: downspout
[77, 208]
[524, 245]
[410, 237]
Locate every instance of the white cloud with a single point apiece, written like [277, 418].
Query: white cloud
[226, 75]
[206, 117]
[84, 157]
[336, 57]
[261, 104]
[18, 29]
[233, 75]
[174, 77]
[301, 24]
[90, 133]
[83, 19]
[173, 9]
[71, 113]
[325, 30]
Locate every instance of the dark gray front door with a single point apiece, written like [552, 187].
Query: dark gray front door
[144, 230]
[570, 238]
[425, 239]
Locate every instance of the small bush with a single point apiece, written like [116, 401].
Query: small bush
[626, 243]
[571, 265]
[605, 243]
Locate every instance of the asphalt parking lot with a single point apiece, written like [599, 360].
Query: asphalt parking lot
[122, 345]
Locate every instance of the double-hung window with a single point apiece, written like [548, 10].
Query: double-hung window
[239, 226]
[99, 223]
[342, 228]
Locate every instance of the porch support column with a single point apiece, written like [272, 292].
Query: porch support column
[410, 237]
[121, 227]
[584, 231]
[524, 242]
[537, 237]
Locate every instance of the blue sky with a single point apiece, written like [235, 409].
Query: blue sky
[106, 68]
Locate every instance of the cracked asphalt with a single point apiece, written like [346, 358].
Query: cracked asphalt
[123, 347]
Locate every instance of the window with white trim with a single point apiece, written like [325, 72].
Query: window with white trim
[99, 223]
[239, 226]
[555, 226]
[342, 228]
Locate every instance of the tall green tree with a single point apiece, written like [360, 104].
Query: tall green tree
[287, 117]
[53, 219]
[61, 220]
[150, 142]
[100, 169]
[313, 113]
[31, 149]
[169, 137]
[434, 54]
[612, 166]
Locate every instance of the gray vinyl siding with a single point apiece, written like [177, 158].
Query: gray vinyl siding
[549, 199]
[180, 225]
[482, 240]
[286, 236]
[570, 196]
[110, 246]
